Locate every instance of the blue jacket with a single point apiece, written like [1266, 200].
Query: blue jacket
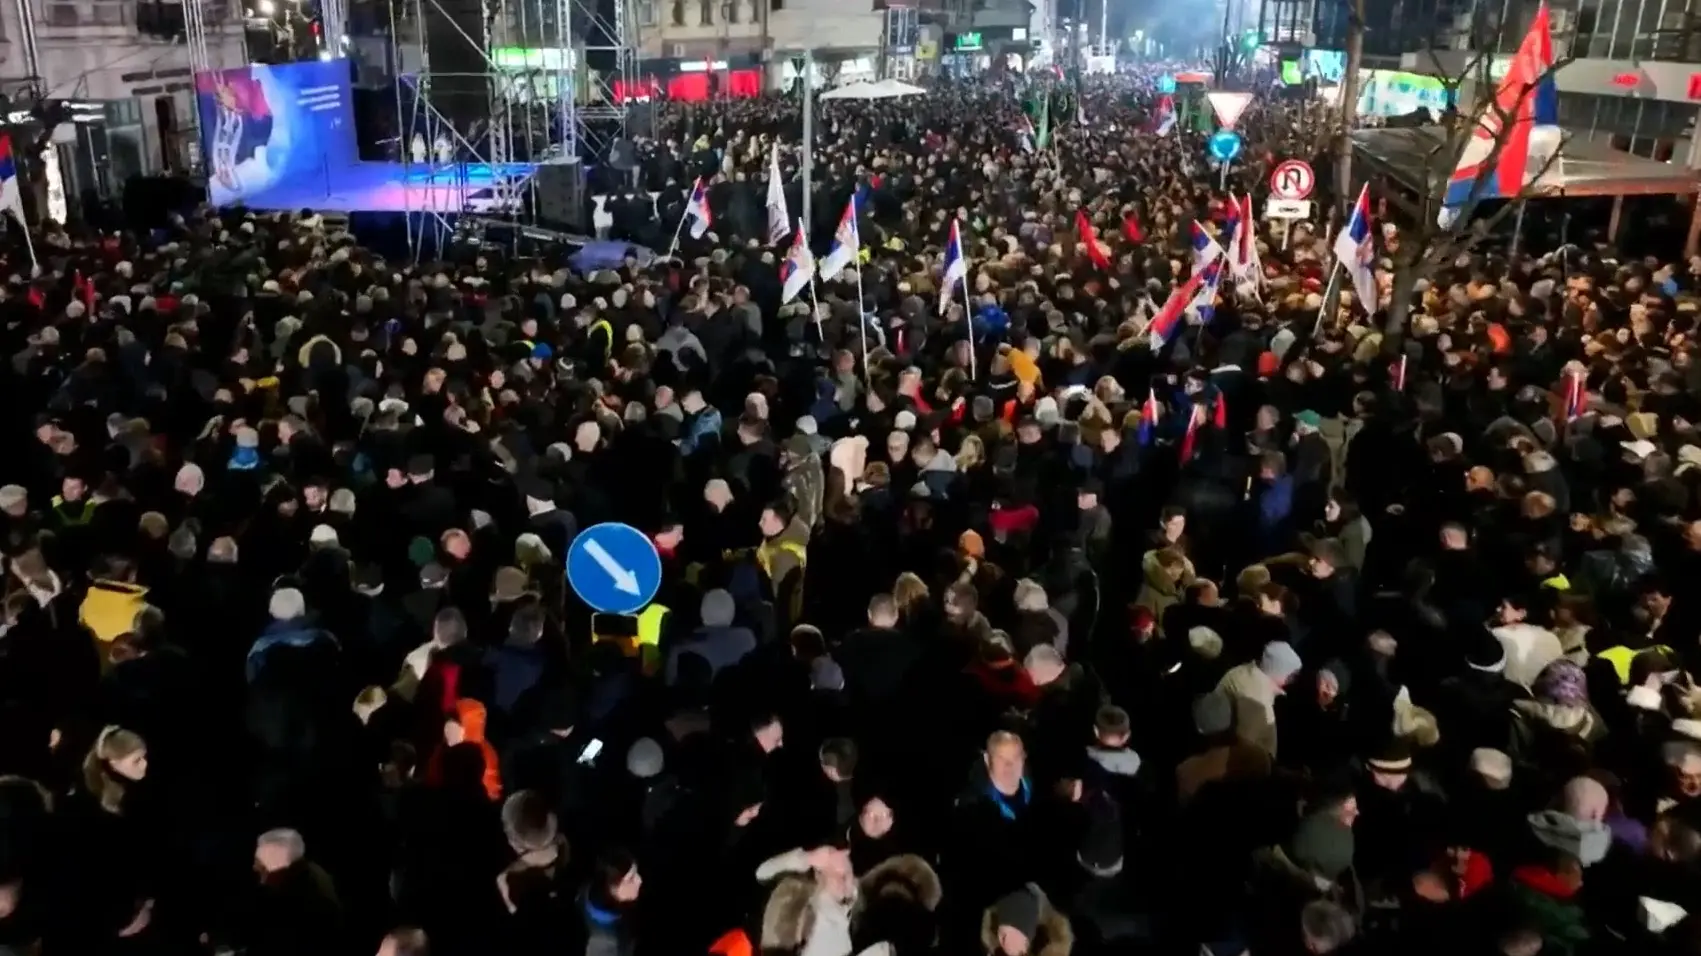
[1275, 508]
[293, 633]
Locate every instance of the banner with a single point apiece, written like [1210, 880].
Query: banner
[264, 127]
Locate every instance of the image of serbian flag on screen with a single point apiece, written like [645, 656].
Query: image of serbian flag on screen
[11, 197]
[1523, 119]
[241, 123]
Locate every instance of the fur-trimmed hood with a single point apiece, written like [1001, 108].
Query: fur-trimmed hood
[1055, 937]
[894, 902]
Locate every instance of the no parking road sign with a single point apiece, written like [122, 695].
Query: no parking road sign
[1292, 180]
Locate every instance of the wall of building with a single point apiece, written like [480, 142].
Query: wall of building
[92, 50]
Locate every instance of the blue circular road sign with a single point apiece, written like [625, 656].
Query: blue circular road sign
[1224, 145]
[614, 568]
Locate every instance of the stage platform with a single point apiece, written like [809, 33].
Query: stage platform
[392, 187]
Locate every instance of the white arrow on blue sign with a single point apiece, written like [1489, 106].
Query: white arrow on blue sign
[614, 568]
[1224, 145]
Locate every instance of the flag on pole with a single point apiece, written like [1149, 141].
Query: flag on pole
[779, 218]
[1096, 250]
[697, 209]
[1165, 117]
[797, 268]
[1205, 302]
[847, 245]
[956, 268]
[1150, 412]
[1523, 119]
[1242, 244]
[1205, 249]
[1168, 319]
[1042, 135]
[1356, 254]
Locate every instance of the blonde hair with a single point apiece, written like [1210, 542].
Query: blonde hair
[908, 591]
[114, 743]
[972, 453]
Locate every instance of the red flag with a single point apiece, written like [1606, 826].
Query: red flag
[1095, 249]
[1131, 228]
[1194, 419]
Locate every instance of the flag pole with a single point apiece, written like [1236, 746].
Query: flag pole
[969, 322]
[29, 244]
[673, 246]
[1334, 274]
[815, 306]
[862, 322]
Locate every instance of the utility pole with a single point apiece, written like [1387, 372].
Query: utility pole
[807, 85]
[1349, 105]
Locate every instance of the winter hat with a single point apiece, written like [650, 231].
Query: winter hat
[1586, 840]
[287, 604]
[1323, 845]
[1100, 851]
[421, 551]
[182, 544]
[342, 501]
[806, 425]
[509, 585]
[717, 608]
[1279, 661]
[1562, 682]
[644, 759]
[11, 496]
[323, 536]
[1019, 910]
[1205, 642]
[1213, 713]
[1394, 756]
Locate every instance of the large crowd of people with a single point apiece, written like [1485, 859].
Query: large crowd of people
[989, 628]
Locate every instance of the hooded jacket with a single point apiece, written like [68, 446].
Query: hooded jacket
[1054, 937]
[110, 608]
[891, 904]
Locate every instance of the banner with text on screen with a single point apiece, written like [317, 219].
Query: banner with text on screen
[266, 126]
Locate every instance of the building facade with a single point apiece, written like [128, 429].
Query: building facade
[720, 35]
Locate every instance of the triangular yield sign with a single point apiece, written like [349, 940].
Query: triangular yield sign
[1229, 106]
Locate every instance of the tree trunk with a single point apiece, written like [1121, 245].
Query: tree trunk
[1349, 107]
[1400, 305]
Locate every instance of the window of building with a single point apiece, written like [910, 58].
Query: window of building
[678, 13]
[647, 12]
[706, 15]
[729, 11]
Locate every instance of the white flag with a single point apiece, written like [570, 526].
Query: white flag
[779, 219]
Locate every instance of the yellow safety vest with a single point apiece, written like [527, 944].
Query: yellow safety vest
[608, 350]
[770, 549]
[84, 518]
[650, 621]
[1620, 658]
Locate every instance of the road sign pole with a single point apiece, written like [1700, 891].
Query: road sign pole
[1222, 176]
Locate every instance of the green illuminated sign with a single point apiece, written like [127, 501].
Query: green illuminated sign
[967, 42]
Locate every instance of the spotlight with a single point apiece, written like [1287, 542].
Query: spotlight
[266, 8]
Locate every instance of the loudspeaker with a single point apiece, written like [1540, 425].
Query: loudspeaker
[560, 190]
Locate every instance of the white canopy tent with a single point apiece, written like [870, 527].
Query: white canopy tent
[864, 90]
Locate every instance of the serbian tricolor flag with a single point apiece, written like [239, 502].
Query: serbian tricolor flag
[1516, 134]
[1096, 250]
[1168, 319]
[1150, 412]
[697, 210]
[1205, 249]
[797, 268]
[1165, 116]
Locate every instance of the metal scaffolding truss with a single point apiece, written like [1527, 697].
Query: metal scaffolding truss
[548, 72]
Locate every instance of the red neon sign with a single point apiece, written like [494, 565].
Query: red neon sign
[1628, 80]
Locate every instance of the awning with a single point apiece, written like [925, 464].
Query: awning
[1586, 167]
